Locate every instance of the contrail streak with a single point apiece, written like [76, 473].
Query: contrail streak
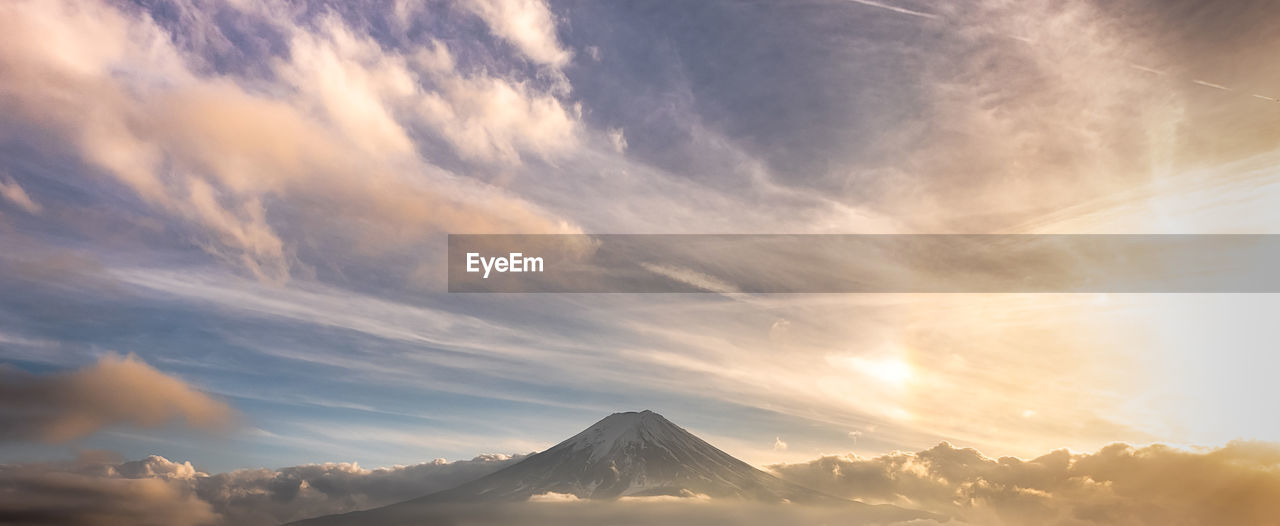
[1146, 69]
[1210, 84]
[895, 9]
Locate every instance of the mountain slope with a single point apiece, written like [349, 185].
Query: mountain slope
[630, 454]
[625, 455]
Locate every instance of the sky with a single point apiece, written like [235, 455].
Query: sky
[223, 223]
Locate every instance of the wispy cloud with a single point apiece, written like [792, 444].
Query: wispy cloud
[13, 192]
[895, 9]
[1208, 84]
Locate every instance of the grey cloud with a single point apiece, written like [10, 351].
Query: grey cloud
[263, 496]
[73, 496]
[158, 491]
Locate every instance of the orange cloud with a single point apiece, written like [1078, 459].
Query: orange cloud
[1118, 485]
[118, 390]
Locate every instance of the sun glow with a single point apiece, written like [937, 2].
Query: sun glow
[889, 370]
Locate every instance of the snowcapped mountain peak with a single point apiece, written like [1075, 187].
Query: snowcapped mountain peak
[630, 454]
[621, 430]
[633, 454]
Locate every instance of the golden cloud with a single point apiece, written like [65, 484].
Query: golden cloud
[118, 390]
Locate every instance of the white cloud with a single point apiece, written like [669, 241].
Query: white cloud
[491, 119]
[228, 155]
[552, 496]
[527, 24]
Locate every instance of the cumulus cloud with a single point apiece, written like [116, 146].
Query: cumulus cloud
[264, 496]
[157, 491]
[44, 494]
[1118, 485]
[118, 390]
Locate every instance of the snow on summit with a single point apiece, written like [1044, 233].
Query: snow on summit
[632, 454]
[625, 455]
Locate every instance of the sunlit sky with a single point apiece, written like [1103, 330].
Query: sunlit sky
[254, 198]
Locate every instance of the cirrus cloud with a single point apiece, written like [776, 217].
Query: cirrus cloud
[243, 160]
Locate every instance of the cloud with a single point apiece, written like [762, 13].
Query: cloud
[527, 24]
[323, 149]
[118, 390]
[158, 491]
[618, 139]
[683, 496]
[894, 8]
[648, 511]
[13, 192]
[778, 444]
[43, 494]
[264, 496]
[552, 496]
[491, 119]
[1117, 485]
[691, 277]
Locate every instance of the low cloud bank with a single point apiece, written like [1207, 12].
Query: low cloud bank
[1118, 485]
[157, 491]
[683, 512]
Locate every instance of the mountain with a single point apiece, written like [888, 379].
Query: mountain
[630, 455]
[633, 454]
